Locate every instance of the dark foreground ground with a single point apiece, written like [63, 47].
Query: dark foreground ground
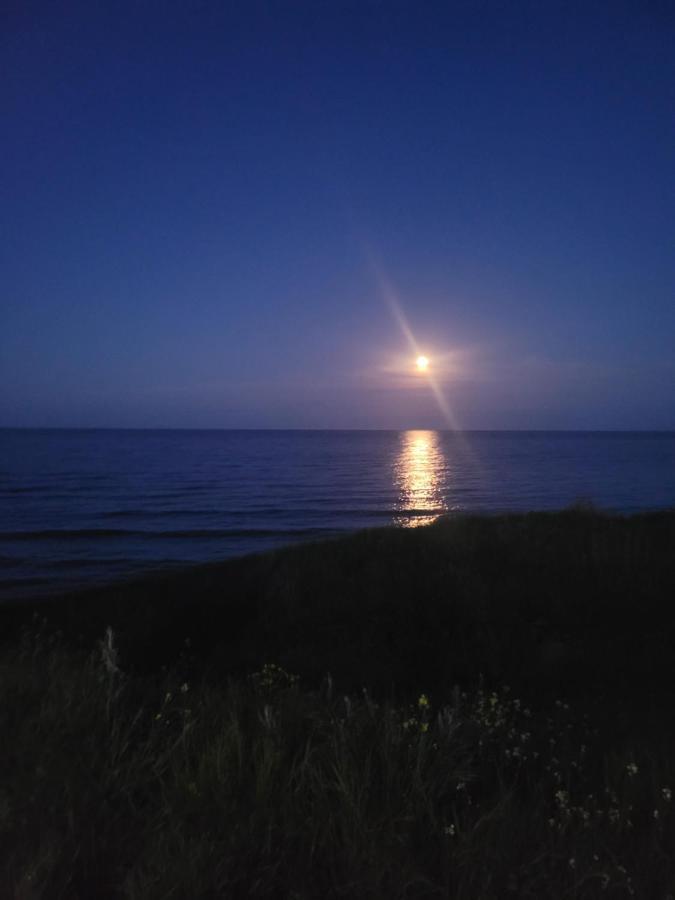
[483, 708]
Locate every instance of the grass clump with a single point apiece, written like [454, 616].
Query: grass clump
[150, 787]
[180, 738]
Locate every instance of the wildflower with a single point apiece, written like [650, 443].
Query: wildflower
[184, 688]
[423, 701]
[168, 697]
[272, 677]
[562, 798]
[572, 863]
[449, 830]
[655, 814]
[632, 769]
[667, 794]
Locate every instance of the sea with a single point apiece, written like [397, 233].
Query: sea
[89, 507]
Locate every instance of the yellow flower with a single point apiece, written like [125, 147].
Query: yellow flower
[423, 701]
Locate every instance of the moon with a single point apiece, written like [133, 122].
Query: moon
[422, 363]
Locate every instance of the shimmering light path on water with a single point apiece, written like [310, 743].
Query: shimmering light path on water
[421, 472]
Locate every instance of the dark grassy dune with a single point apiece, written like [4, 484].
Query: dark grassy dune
[576, 599]
[517, 737]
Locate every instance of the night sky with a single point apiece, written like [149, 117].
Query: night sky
[228, 214]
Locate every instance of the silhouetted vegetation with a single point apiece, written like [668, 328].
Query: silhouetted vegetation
[477, 709]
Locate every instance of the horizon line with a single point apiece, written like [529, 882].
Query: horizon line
[345, 430]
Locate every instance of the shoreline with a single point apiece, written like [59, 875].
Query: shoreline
[555, 583]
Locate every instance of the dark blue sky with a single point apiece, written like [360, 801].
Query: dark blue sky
[211, 212]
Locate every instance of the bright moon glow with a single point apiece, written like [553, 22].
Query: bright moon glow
[422, 363]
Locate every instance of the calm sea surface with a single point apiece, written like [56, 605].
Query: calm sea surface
[93, 506]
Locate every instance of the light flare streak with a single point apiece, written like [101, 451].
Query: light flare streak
[394, 305]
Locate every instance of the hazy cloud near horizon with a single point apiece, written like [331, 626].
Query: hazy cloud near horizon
[531, 394]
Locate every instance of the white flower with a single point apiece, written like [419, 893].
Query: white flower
[562, 798]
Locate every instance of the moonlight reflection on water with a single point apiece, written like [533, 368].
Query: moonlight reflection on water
[419, 472]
